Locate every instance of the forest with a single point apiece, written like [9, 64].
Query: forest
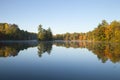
[12, 32]
[103, 32]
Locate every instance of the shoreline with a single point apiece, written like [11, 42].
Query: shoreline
[17, 41]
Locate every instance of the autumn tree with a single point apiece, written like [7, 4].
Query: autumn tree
[12, 32]
[103, 32]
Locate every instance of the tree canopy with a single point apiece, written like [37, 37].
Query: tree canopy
[12, 32]
[43, 34]
[103, 32]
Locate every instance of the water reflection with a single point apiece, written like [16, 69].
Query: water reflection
[12, 49]
[104, 51]
[44, 47]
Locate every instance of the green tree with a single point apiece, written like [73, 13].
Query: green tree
[49, 34]
[43, 34]
[40, 33]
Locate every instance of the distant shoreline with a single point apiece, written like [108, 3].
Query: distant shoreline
[17, 41]
[36, 41]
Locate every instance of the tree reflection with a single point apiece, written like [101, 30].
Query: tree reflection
[104, 51]
[12, 49]
[44, 47]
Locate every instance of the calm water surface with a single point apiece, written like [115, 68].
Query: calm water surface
[60, 61]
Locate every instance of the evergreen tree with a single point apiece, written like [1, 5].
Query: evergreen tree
[43, 34]
[49, 34]
[40, 33]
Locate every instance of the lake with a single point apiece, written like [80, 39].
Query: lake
[60, 60]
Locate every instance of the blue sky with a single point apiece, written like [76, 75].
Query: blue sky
[61, 15]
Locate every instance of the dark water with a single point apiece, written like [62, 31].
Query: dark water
[60, 61]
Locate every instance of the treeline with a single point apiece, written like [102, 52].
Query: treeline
[103, 32]
[12, 32]
[44, 35]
